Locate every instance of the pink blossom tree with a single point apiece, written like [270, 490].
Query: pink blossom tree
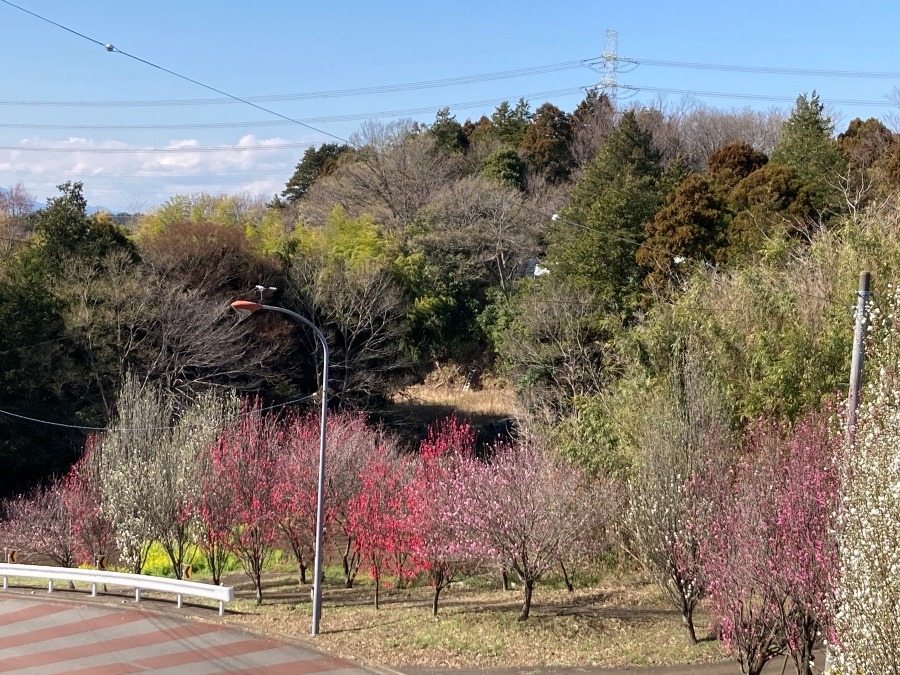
[440, 545]
[737, 534]
[350, 442]
[40, 524]
[296, 488]
[523, 509]
[83, 497]
[808, 464]
[767, 546]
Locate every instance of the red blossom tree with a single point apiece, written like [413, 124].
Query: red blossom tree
[245, 461]
[379, 517]
[212, 515]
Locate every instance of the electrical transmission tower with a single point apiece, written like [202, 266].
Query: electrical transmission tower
[610, 59]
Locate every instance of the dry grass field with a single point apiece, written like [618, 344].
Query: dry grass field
[622, 620]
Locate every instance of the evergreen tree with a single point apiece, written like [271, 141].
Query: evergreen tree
[448, 134]
[65, 228]
[731, 163]
[546, 144]
[592, 121]
[764, 203]
[505, 165]
[691, 226]
[872, 151]
[316, 162]
[808, 147]
[619, 192]
[510, 123]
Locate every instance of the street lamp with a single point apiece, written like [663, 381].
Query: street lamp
[249, 306]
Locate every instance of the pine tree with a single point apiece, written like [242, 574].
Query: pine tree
[316, 162]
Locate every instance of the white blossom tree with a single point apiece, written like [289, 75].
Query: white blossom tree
[683, 423]
[867, 620]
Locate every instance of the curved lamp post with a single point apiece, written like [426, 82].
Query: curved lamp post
[249, 306]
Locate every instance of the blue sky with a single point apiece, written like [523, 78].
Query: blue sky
[275, 47]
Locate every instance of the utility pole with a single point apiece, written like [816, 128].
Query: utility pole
[859, 353]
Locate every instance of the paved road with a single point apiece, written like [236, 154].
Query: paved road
[43, 637]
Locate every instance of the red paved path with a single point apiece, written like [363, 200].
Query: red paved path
[44, 637]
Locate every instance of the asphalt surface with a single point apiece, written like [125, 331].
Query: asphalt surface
[42, 636]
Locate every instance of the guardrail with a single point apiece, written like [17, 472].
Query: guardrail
[139, 582]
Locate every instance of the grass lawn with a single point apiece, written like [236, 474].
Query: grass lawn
[622, 620]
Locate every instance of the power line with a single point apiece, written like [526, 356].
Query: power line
[36, 344]
[765, 70]
[61, 425]
[112, 48]
[348, 117]
[134, 151]
[755, 97]
[312, 95]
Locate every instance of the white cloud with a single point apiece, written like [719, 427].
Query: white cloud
[115, 174]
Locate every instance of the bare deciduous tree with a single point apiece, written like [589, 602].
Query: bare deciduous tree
[556, 346]
[397, 171]
[16, 204]
[362, 311]
[704, 130]
[194, 341]
[483, 228]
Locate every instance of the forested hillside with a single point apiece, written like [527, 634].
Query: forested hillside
[659, 237]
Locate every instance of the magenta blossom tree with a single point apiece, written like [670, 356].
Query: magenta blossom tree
[296, 488]
[245, 462]
[83, 498]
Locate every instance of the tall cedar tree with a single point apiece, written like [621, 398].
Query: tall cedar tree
[731, 163]
[448, 134]
[619, 192]
[808, 146]
[546, 144]
[691, 227]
